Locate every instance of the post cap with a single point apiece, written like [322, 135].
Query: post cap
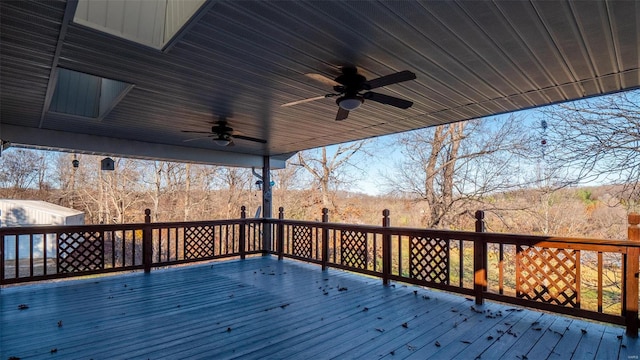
[634, 219]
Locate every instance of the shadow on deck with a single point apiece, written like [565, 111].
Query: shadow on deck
[262, 308]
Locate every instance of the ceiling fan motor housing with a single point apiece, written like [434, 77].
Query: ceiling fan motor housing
[351, 82]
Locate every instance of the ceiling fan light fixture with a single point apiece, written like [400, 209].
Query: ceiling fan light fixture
[350, 102]
[222, 140]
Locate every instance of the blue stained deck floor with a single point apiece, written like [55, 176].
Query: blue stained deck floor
[262, 308]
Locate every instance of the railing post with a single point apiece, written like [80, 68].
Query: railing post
[386, 248]
[631, 277]
[243, 232]
[147, 248]
[325, 239]
[280, 233]
[479, 260]
[2, 258]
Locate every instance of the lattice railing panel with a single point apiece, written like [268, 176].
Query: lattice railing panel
[429, 259]
[79, 252]
[353, 249]
[198, 242]
[302, 241]
[548, 275]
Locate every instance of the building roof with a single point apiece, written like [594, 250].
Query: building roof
[43, 206]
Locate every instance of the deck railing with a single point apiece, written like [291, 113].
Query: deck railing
[589, 278]
[50, 252]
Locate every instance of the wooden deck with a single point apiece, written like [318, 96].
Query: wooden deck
[261, 308]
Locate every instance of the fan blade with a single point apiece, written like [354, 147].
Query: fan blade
[342, 114]
[304, 101]
[323, 79]
[390, 79]
[196, 132]
[198, 138]
[248, 138]
[388, 100]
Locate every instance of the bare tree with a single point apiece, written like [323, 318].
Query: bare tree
[451, 169]
[332, 168]
[288, 185]
[598, 140]
[21, 169]
[121, 189]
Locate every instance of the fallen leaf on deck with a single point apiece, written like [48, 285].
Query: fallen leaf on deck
[380, 329]
[54, 350]
[60, 323]
[465, 342]
[284, 306]
[23, 307]
[228, 329]
[437, 344]
[405, 325]
[365, 309]
[584, 331]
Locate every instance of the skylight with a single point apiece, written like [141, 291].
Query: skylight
[152, 23]
[86, 95]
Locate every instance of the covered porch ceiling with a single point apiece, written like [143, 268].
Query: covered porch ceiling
[242, 60]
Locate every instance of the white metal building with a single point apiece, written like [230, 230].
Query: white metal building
[30, 213]
[36, 212]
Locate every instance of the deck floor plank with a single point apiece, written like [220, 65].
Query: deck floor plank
[610, 344]
[263, 308]
[551, 336]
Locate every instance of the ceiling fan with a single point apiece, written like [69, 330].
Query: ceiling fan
[222, 134]
[349, 89]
